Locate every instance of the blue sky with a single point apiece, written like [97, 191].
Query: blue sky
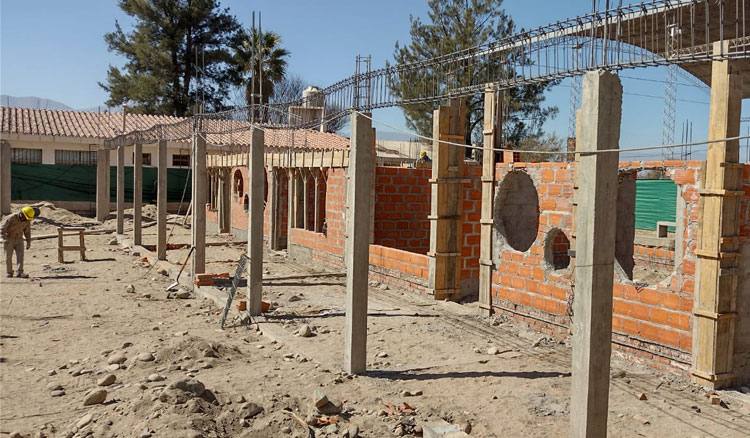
[55, 49]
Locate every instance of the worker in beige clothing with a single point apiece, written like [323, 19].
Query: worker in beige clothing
[12, 231]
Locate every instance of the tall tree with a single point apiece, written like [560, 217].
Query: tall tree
[456, 25]
[160, 72]
[273, 58]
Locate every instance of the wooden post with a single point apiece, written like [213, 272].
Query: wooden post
[5, 158]
[120, 190]
[198, 226]
[714, 306]
[361, 165]
[446, 234]
[255, 223]
[292, 200]
[493, 111]
[273, 205]
[137, 193]
[161, 203]
[595, 253]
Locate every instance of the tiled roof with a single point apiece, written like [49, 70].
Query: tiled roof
[81, 124]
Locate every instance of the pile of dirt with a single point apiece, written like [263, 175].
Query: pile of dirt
[51, 216]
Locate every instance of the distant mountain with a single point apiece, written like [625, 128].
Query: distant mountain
[42, 103]
[32, 102]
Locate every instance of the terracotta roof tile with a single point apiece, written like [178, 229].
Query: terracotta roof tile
[81, 124]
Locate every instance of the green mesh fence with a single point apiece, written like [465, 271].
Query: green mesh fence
[53, 182]
[655, 201]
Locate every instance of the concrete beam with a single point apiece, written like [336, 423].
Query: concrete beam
[120, 190]
[595, 252]
[137, 193]
[361, 167]
[256, 177]
[5, 177]
[225, 204]
[161, 202]
[198, 224]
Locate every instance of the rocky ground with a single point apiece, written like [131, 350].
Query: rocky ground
[99, 348]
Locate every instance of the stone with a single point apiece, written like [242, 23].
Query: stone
[163, 272]
[330, 408]
[51, 372]
[383, 286]
[249, 410]
[113, 367]
[181, 391]
[57, 393]
[352, 431]
[304, 331]
[382, 354]
[641, 418]
[116, 358]
[311, 420]
[130, 289]
[294, 298]
[113, 241]
[145, 357]
[85, 420]
[182, 295]
[319, 399]
[52, 386]
[286, 430]
[107, 380]
[642, 396]
[95, 397]
[745, 390]
[16, 434]
[715, 399]
[441, 429]
[156, 378]
[492, 351]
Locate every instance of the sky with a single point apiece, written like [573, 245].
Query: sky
[55, 49]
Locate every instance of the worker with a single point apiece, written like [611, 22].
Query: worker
[424, 158]
[12, 231]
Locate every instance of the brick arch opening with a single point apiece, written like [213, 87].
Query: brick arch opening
[556, 247]
[238, 185]
[516, 212]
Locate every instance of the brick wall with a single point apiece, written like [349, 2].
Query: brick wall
[402, 204]
[401, 269]
[472, 214]
[653, 321]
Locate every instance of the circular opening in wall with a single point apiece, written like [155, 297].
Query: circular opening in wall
[246, 204]
[517, 211]
[556, 248]
[238, 185]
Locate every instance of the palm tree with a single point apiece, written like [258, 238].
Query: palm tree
[274, 65]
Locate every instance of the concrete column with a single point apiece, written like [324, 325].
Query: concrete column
[719, 251]
[305, 199]
[292, 201]
[102, 184]
[137, 193]
[198, 219]
[493, 111]
[299, 198]
[361, 167]
[317, 177]
[224, 202]
[121, 190]
[161, 203]
[4, 177]
[446, 220]
[273, 208]
[256, 187]
[595, 252]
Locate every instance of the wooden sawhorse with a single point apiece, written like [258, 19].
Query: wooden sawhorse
[61, 248]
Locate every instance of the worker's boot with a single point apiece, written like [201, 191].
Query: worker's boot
[9, 275]
[22, 275]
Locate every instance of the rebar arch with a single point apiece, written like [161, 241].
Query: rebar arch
[652, 33]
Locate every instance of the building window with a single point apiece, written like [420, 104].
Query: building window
[146, 158]
[179, 160]
[79, 158]
[25, 156]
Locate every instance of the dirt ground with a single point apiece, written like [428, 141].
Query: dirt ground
[65, 330]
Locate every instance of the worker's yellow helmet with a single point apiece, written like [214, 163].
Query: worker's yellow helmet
[422, 154]
[28, 213]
